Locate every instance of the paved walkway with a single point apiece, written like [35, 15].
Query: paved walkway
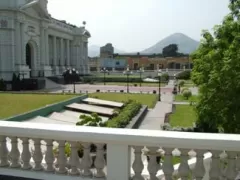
[155, 117]
[92, 88]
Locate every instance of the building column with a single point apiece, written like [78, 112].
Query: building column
[82, 58]
[23, 45]
[86, 59]
[47, 48]
[54, 51]
[71, 53]
[42, 47]
[61, 52]
[55, 58]
[68, 53]
[18, 57]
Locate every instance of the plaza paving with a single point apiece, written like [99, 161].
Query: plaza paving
[93, 88]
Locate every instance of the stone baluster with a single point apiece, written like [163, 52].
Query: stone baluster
[49, 158]
[86, 160]
[26, 155]
[99, 161]
[215, 171]
[62, 158]
[37, 155]
[231, 171]
[74, 159]
[168, 165]
[3, 152]
[184, 169]
[199, 170]
[153, 166]
[15, 154]
[138, 164]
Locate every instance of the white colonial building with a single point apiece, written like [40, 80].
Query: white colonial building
[35, 44]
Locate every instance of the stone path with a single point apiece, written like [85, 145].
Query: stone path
[155, 117]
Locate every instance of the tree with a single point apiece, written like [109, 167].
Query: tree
[217, 73]
[170, 50]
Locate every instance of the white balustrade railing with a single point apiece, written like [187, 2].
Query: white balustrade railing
[26, 150]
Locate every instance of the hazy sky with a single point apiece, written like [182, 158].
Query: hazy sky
[134, 25]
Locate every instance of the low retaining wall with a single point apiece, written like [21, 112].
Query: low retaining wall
[167, 115]
[57, 107]
[137, 120]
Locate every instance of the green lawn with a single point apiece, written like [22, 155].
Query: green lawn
[132, 84]
[180, 98]
[15, 104]
[146, 99]
[184, 116]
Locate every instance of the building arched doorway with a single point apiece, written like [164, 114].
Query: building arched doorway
[29, 57]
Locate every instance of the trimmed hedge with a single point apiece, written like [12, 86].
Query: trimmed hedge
[125, 116]
[2, 85]
[185, 75]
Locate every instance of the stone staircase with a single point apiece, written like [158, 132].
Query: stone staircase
[71, 113]
[49, 84]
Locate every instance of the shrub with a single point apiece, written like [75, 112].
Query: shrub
[16, 82]
[187, 94]
[93, 120]
[2, 85]
[168, 127]
[186, 75]
[165, 77]
[181, 83]
[184, 89]
[125, 115]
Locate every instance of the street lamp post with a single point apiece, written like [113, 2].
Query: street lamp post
[141, 71]
[104, 77]
[74, 77]
[159, 84]
[128, 73]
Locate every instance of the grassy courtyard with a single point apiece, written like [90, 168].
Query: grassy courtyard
[14, 104]
[147, 99]
[184, 116]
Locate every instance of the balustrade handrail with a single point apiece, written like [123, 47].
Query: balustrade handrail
[206, 141]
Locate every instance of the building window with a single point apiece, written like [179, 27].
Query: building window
[117, 63]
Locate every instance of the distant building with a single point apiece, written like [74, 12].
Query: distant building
[107, 51]
[153, 62]
[113, 64]
[119, 62]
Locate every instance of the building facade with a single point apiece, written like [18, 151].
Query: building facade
[153, 63]
[35, 44]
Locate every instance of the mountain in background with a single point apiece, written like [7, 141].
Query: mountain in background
[94, 51]
[185, 44]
